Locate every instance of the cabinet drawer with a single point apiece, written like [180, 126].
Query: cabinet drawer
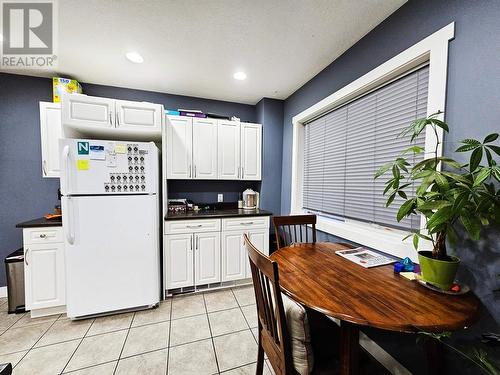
[42, 235]
[191, 226]
[245, 223]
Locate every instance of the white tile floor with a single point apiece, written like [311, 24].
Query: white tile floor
[209, 333]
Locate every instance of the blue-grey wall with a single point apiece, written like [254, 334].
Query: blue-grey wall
[472, 110]
[270, 113]
[26, 195]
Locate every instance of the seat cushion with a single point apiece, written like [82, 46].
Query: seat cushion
[300, 335]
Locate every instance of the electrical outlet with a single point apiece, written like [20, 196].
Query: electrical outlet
[220, 197]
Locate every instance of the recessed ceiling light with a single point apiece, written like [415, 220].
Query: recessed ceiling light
[240, 76]
[135, 57]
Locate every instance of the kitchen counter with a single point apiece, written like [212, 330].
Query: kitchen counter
[213, 214]
[40, 222]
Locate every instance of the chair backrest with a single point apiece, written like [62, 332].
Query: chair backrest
[292, 229]
[273, 331]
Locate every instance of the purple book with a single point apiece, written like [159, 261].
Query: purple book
[193, 114]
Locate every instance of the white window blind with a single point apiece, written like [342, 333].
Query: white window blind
[345, 147]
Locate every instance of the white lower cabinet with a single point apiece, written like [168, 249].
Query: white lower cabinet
[207, 258]
[208, 253]
[44, 271]
[235, 263]
[179, 260]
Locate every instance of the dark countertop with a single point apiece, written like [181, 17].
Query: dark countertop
[40, 222]
[213, 214]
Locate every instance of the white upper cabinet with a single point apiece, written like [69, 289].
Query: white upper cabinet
[179, 147]
[87, 111]
[228, 150]
[204, 149]
[138, 115]
[251, 151]
[210, 149]
[50, 133]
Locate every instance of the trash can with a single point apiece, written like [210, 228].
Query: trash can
[14, 267]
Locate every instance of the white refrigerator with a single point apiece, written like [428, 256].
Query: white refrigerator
[110, 211]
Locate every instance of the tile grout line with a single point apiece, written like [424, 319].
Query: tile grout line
[169, 333]
[124, 342]
[32, 346]
[211, 335]
[80, 343]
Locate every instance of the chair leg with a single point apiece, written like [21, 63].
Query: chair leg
[260, 358]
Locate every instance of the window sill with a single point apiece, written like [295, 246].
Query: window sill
[387, 240]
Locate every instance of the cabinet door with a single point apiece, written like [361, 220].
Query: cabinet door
[179, 260]
[179, 147]
[233, 256]
[44, 275]
[207, 258]
[139, 116]
[50, 133]
[84, 111]
[251, 151]
[260, 239]
[205, 148]
[228, 150]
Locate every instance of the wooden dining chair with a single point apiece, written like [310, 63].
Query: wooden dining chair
[294, 228]
[273, 332]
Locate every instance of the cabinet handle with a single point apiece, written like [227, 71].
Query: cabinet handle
[196, 247]
[191, 244]
[194, 226]
[26, 257]
[117, 118]
[242, 173]
[190, 170]
[110, 118]
[195, 171]
[238, 172]
[43, 235]
[247, 223]
[44, 167]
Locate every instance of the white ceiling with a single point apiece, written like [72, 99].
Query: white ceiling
[193, 47]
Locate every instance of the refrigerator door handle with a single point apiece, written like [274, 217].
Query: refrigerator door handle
[70, 235]
[65, 169]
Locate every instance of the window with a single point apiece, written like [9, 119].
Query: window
[349, 123]
[345, 147]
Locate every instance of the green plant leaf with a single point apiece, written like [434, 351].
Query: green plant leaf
[470, 141]
[414, 149]
[495, 149]
[475, 158]
[415, 241]
[489, 157]
[395, 171]
[466, 148]
[383, 169]
[439, 217]
[443, 125]
[434, 205]
[441, 181]
[405, 209]
[490, 138]
[471, 225]
[481, 176]
[402, 194]
[390, 199]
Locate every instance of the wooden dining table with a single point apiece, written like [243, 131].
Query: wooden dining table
[313, 275]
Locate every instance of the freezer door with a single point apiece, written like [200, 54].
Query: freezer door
[108, 167]
[112, 253]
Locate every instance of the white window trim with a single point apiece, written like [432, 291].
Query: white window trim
[433, 49]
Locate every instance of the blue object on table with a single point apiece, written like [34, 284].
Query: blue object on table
[172, 112]
[405, 265]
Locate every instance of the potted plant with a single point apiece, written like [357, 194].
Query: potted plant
[447, 193]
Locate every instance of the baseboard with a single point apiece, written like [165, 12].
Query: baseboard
[376, 351]
[3, 291]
